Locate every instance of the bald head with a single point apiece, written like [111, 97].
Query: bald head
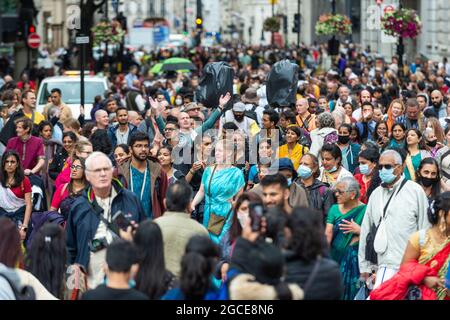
[101, 119]
[436, 98]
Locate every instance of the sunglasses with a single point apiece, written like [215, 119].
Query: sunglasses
[387, 166]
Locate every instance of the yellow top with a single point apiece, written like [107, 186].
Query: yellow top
[295, 155]
[38, 117]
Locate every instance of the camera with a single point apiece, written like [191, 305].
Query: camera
[98, 244]
[121, 221]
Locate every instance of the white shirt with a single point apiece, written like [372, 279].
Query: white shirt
[122, 138]
[406, 214]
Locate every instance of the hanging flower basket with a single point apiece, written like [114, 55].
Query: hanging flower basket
[333, 25]
[272, 24]
[403, 23]
[106, 31]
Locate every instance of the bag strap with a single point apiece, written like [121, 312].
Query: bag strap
[210, 179]
[389, 201]
[444, 156]
[313, 274]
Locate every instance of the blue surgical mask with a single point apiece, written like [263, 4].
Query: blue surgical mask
[304, 172]
[334, 169]
[289, 181]
[387, 176]
[364, 169]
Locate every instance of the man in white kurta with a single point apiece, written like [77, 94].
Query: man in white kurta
[405, 214]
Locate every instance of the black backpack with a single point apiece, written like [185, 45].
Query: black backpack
[24, 293]
[252, 114]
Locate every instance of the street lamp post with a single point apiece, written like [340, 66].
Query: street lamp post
[185, 29]
[262, 28]
[400, 51]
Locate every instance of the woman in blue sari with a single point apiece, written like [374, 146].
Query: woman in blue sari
[343, 228]
[221, 184]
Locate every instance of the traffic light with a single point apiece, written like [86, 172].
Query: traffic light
[296, 28]
[199, 23]
[31, 29]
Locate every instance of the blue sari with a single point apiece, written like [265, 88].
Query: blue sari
[225, 184]
[344, 253]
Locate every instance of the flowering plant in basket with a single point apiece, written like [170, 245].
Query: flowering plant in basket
[403, 23]
[336, 24]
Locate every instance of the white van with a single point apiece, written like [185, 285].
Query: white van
[70, 92]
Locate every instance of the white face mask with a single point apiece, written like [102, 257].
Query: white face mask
[178, 102]
[242, 217]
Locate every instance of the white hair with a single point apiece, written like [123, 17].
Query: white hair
[397, 157]
[98, 112]
[351, 185]
[94, 155]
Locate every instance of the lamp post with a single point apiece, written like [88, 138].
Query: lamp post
[262, 28]
[400, 51]
[333, 44]
[185, 29]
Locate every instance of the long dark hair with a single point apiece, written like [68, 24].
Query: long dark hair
[373, 156]
[10, 250]
[85, 182]
[149, 243]
[375, 132]
[236, 229]
[442, 202]
[46, 258]
[436, 187]
[18, 174]
[197, 266]
[421, 144]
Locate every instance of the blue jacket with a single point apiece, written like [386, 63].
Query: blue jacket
[112, 130]
[83, 220]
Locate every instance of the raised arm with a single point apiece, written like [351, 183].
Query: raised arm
[215, 115]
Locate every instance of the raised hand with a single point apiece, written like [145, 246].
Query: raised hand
[224, 100]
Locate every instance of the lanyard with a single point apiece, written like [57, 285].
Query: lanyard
[143, 183]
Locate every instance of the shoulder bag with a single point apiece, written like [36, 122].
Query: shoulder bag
[215, 222]
[371, 254]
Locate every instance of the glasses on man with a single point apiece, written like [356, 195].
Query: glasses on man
[387, 166]
[169, 129]
[100, 170]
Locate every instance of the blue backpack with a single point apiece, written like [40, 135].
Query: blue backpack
[38, 219]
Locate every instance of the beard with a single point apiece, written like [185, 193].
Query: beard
[437, 104]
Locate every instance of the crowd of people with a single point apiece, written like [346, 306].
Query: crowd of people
[342, 195]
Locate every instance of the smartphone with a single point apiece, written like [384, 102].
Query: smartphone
[121, 221]
[256, 212]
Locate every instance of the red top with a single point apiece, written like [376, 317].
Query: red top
[29, 151]
[363, 187]
[31, 83]
[59, 195]
[25, 187]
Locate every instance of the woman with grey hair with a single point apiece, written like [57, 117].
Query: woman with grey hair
[343, 228]
[325, 132]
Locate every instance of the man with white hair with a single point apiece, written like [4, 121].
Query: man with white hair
[396, 209]
[96, 218]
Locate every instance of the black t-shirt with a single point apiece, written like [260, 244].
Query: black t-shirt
[103, 292]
